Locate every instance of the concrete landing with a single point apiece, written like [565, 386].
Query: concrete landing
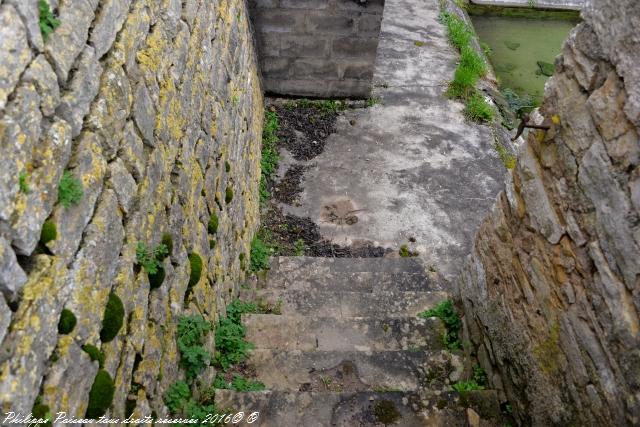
[412, 166]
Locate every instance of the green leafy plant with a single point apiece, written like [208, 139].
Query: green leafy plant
[462, 386]
[113, 318]
[177, 396]
[269, 159]
[259, 255]
[100, 395]
[238, 383]
[47, 21]
[150, 260]
[446, 312]
[193, 356]
[477, 108]
[67, 322]
[70, 190]
[373, 101]
[23, 182]
[42, 411]
[299, 247]
[231, 345]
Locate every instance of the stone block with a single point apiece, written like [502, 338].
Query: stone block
[278, 21]
[108, 22]
[14, 46]
[303, 47]
[314, 69]
[353, 47]
[321, 23]
[304, 4]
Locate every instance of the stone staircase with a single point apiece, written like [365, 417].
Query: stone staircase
[348, 348]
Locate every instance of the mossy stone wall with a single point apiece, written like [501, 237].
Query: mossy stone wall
[155, 107]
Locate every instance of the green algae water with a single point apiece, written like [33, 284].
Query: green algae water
[518, 45]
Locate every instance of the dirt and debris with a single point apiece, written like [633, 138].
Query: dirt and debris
[293, 235]
[289, 187]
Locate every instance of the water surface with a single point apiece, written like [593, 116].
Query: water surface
[517, 45]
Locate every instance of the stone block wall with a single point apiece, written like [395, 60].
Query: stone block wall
[317, 48]
[551, 291]
[155, 106]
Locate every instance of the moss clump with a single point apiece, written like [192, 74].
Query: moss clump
[49, 232]
[196, 269]
[94, 353]
[386, 412]
[545, 68]
[228, 195]
[227, 167]
[42, 412]
[100, 395]
[212, 244]
[67, 322]
[212, 227]
[113, 318]
[167, 241]
[156, 279]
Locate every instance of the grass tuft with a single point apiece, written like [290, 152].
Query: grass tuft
[477, 108]
[47, 21]
[70, 190]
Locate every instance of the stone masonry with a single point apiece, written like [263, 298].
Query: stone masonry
[318, 48]
[156, 108]
[551, 291]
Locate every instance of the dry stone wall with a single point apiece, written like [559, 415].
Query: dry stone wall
[155, 106]
[319, 48]
[551, 292]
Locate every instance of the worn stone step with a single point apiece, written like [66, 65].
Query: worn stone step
[359, 409]
[348, 304]
[353, 370]
[320, 265]
[356, 282]
[346, 334]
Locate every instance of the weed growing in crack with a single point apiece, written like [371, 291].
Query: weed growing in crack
[231, 345]
[23, 182]
[70, 190]
[47, 22]
[260, 253]
[446, 312]
[238, 383]
[150, 260]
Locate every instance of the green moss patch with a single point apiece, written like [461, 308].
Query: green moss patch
[67, 322]
[94, 353]
[156, 279]
[113, 318]
[228, 195]
[100, 395]
[386, 412]
[49, 232]
[167, 242]
[212, 226]
[545, 68]
[196, 269]
[47, 21]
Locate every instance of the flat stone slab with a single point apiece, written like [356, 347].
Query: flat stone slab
[269, 331]
[411, 167]
[322, 409]
[344, 370]
[319, 265]
[351, 304]
[357, 282]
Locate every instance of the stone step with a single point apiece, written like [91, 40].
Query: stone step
[348, 304]
[346, 334]
[356, 282]
[321, 265]
[359, 409]
[353, 370]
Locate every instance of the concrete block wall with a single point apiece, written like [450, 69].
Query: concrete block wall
[317, 48]
[156, 108]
